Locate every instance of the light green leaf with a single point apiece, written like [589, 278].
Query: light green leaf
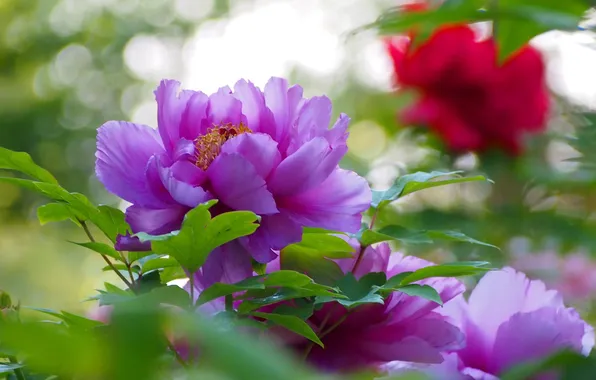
[292, 323]
[424, 291]
[159, 263]
[200, 234]
[22, 162]
[411, 183]
[8, 368]
[102, 248]
[58, 212]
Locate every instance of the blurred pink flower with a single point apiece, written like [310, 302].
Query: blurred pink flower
[573, 275]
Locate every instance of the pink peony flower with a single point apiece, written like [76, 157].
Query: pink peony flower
[509, 320]
[270, 152]
[403, 328]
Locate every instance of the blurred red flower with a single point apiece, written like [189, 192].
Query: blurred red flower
[466, 97]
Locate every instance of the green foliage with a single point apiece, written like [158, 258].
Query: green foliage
[200, 234]
[411, 183]
[292, 323]
[406, 236]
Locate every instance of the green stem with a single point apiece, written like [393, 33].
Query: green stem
[229, 302]
[18, 372]
[105, 258]
[310, 346]
[128, 266]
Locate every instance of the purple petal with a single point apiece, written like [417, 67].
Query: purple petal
[336, 204]
[182, 192]
[374, 259]
[123, 151]
[313, 121]
[236, 183]
[133, 244]
[188, 172]
[275, 232]
[229, 264]
[409, 308]
[194, 118]
[307, 168]
[535, 335]
[155, 183]
[224, 108]
[338, 134]
[285, 104]
[170, 107]
[516, 294]
[258, 116]
[184, 150]
[155, 221]
[259, 149]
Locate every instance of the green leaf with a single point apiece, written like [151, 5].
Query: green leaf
[518, 21]
[396, 281]
[111, 221]
[311, 255]
[411, 183]
[8, 368]
[333, 246]
[456, 236]
[303, 310]
[406, 236]
[279, 278]
[292, 323]
[257, 298]
[22, 162]
[101, 248]
[358, 292]
[58, 212]
[424, 291]
[171, 274]
[446, 270]
[159, 263]
[200, 234]
[103, 219]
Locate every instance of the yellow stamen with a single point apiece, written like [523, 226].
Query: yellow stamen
[208, 146]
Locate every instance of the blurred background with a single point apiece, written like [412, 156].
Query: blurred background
[67, 66]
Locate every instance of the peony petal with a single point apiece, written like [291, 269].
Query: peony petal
[194, 118]
[236, 183]
[188, 172]
[155, 183]
[373, 259]
[307, 168]
[155, 221]
[489, 309]
[170, 107]
[133, 244]
[535, 335]
[224, 108]
[258, 116]
[182, 192]
[229, 264]
[285, 105]
[123, 151]
[336, 204]
[275, 233]
[314, 118]
[258, 148]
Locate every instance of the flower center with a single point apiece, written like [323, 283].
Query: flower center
[208, 146]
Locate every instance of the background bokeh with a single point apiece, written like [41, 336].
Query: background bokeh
[67, 66]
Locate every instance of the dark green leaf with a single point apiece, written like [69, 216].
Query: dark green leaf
[200, 234]
[101, 248]
[303, 310]
[281, 278]
[396, 280]
[407, 236]
[292, 323]
[424, 291]
[449, 270]
[311, 262]
[358, 292]
[456, 236]
[22, 162]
